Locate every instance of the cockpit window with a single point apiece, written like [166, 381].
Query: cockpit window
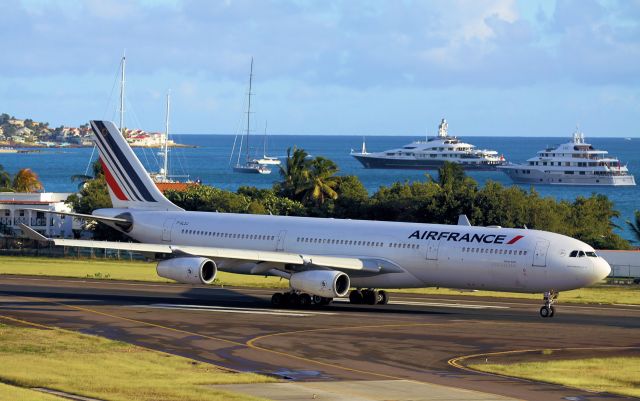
[573, 254]
[592, 254]
[581, 254]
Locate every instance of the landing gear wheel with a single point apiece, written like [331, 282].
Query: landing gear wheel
[277, 299]
[545, 311]
[304, 300]
[294, 299]
[356, 297]
[370, 297]
[383, 297]
[550, 298]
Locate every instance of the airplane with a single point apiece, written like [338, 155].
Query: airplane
[324, 258]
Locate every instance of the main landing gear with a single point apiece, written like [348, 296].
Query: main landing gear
[301, 299]
[550, 298]
[369, 297]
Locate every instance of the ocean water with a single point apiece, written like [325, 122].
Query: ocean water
[210, 162]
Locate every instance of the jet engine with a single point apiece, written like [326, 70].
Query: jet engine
[324, 283]
[188, 270]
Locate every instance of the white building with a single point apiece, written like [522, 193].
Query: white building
[14, 209]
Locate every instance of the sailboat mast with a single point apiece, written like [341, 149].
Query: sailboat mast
[264, 145]
[124, 59]
[165, 152]
[249, 108]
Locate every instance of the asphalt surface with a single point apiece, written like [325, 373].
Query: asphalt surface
[420, 339]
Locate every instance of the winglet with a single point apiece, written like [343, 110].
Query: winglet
[463, 220]
[33, 234]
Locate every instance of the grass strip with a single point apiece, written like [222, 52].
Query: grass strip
[143, 271]
[618, 375]
[105, 369]
[8, 392]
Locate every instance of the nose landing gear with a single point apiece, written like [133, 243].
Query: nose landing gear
[550, 298]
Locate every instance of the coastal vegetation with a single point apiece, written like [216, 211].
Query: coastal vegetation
[25, 180]
[635, 226]
[312, 187]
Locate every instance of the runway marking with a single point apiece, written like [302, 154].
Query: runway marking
[230, 309]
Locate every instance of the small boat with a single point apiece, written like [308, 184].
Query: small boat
[250, 166]
[8, 150]
[267, 160]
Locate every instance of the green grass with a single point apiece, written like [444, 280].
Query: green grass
[116, 270]
[618, 375]
[105, 369]
[597, 294]
[8, 392]
[142, 271]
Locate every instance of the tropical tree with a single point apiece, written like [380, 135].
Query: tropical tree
[295, 173]
[449, 175]
[5, 179]
[320, 182]
[635, 227]
[26, 180]
[82, 179]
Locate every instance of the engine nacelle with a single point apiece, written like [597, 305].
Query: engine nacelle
[324, 283]
[188, 270]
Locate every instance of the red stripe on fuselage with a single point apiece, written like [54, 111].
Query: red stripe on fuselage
[112, 183]
[515, 239]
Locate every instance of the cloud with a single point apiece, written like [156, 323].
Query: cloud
[352, 43]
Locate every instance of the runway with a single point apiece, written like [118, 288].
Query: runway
[414, 341]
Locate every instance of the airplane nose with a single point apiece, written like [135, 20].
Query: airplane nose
[601, 269]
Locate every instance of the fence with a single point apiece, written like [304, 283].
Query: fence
[26, 247]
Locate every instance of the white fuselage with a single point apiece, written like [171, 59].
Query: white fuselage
[429, 255]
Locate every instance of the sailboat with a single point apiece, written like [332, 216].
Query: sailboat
[249, 166]
[162, 179]
[267, 160]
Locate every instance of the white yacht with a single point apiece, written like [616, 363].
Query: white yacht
[431, 154]
[572, 163]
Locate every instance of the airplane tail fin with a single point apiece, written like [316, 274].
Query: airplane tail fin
[130, 186]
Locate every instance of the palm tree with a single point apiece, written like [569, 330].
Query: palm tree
[5, 179]
[84, 178]
[295, 172]
[635, 227]
[26, 180]
[321, 181]
[450, 174]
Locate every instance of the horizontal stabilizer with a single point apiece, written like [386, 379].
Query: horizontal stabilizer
[33, 234]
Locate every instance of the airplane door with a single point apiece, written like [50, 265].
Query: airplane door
[166, 229]
[281, 236]
[432, 250]
[540, 254]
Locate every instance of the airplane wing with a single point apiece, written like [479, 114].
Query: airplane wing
[342, 263]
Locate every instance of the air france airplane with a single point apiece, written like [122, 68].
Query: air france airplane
[324, 258]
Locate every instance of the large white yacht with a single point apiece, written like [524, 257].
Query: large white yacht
[431, 154]
[572, 163]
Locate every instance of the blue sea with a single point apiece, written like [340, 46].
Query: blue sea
[210, 162]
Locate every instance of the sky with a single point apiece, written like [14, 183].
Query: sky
[361, 67]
